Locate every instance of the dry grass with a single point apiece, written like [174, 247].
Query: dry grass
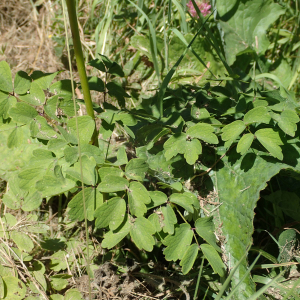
[25, 36]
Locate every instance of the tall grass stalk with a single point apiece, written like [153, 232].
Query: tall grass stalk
[71, 10]
[80, 65]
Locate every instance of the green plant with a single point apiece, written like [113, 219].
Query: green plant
[216, 136]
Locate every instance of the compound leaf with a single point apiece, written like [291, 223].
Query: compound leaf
[111, 213]
[5, 77]
[257, 115]
[136, 169]
[112, 184]
[141, 233]
[214, 259]
[189, 258]
[137, 198]
[93, 199]
[271, 140]
[183, 200]
[245, 143]
[178, 243]
[203, 132]
[169, 219]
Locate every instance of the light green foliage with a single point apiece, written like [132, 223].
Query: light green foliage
[147, 190]
[246, 27]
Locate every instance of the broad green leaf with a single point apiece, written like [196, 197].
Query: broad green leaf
[22, 113]
[126, 118]
[168, 219]
[112, 238]
[137, 198]
[206, 229]
[62, 87]
[174, 145]
[154, 219]
[233, 130]
[193, 149]
[5, 77]
[238, 191]
[257, 115]
[287, 121]
[22, 82]
[178, 243]
[121, 157]
[58, 282]
[214, 259]
[199, 113]
[54, 184]
[93, 199]
[182, 200]
[40, 128]
[86, 126]
[88, 167]
[36, 95]
[43, 79]
[15, 138]
[96, 84]
[22, 240]
[287, 241]
[6, 102]
[58, 261]
[111, 213]
[245, 143]
[271, 140]
[112, 171]
[157, 198]
[67, 135]
[14, 288]
[112, 184]
[203, 132]
[141, 233]
[73, 294]
[71, 154]
[29, 177]
[224, 7]
[136, 169]
[189, 258]
[56, 297]
[246, 26]
[16, 198]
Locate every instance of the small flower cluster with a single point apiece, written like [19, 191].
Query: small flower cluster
[203, 7]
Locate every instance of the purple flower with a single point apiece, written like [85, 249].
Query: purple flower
[203, 7]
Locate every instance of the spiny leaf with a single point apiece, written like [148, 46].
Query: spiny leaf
[203, 132]
[271, 140]
[111, 213]
[178, 243]
[141, 233]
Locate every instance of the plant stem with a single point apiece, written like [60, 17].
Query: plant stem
[80, 65]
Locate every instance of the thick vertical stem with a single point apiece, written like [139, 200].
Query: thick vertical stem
[80, 65]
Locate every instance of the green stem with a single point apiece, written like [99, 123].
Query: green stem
[80, 65]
